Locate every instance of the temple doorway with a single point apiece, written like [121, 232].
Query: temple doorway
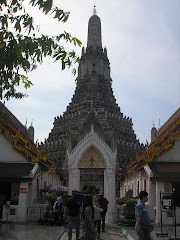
[92, 162]
[92, 165]
[92, 180]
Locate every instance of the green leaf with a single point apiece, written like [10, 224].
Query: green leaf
[66, 18]
[47, 6]
[17, 25]
[22, 52]
[3, 2]
[74, 40]
[78, 42]
[63, 65]
[77, 60]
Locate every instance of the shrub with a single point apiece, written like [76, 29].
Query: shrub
[129, 209]
[127, 222]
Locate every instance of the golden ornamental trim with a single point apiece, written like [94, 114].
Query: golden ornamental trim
[23, 144]
[130, 168]
[92, 158]
[161, 144]
[52, 169]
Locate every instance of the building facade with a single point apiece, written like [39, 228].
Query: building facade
[25, 174]
[157, 171]
[92, 139]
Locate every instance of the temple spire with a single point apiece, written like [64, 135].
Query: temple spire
[94, 31]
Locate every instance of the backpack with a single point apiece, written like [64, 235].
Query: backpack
[73, 207]
[56, 205]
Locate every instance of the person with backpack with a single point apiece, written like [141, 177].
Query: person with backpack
[73, 210]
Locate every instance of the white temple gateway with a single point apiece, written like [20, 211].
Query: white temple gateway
[92, 139]
[93, 154]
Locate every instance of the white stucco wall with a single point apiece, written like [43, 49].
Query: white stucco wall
[130, 182]
[153, 188]
[26, 200]
[173, 155]
[8, 154]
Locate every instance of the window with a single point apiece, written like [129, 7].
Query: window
[138, 188]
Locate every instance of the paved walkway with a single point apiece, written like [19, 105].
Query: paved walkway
[11, 231]
[130, 233]
[113, 232]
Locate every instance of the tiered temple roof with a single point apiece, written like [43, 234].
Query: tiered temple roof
[93, 103]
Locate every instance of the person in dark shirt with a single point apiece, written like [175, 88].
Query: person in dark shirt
[73, 209]
[103, 203]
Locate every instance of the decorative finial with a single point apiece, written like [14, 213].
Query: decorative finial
[159, 124]
[26, 123]
[94, 10]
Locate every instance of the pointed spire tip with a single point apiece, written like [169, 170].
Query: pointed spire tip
[94, 10]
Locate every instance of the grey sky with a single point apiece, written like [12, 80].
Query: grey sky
[142, 39]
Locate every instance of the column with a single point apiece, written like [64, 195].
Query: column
[110, 195]
[74, 180]
[22, 204]
[159, 187]
[152, 199]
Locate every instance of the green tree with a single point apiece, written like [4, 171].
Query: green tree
[21, 49]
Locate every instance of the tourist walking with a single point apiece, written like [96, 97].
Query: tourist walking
[55, 212]
[103, 203]
[60, 208]
[97, 219]
[142, 217]
[73, 209]
[89, 232]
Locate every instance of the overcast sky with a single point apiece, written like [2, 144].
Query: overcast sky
[143, 45]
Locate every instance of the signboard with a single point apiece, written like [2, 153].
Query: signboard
[23, 190]
[167, 202]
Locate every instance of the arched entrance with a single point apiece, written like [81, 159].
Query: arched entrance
[92, 166]
[92, 153]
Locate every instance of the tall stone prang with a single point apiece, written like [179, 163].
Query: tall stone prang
[93, 104]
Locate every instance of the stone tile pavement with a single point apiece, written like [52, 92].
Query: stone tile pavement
[113, 232]
[130, 233]
[11, 231]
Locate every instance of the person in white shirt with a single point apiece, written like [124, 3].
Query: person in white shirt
[55, 212]
[97, 218]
